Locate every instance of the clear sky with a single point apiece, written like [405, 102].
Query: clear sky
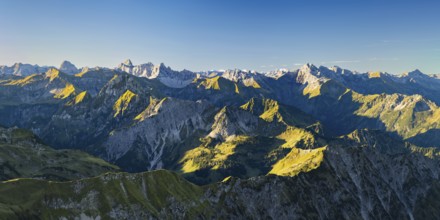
[364, 35]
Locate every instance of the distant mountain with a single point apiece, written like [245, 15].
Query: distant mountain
[143, 124]
[21, 69]
[143, 70]
[324, 94]
[306, 141]
[410, 83]
[247, 78]
[169, 77]
[68, 67]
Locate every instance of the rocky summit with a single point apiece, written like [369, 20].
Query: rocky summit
[147, 141]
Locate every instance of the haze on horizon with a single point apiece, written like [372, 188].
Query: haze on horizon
[391, 36]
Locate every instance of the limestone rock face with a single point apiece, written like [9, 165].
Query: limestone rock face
[21, 69]
[169, 77]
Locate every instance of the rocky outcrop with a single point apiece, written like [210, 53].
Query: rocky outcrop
[162, 126]
[169, 77]
[21, 69]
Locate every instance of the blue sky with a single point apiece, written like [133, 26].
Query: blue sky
[392, 36]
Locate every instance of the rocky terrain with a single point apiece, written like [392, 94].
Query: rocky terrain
[288, 144]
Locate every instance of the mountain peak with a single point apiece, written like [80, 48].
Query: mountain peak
[163, 66]
[415, 73]
[21, 69]
[68, 67]
[308, 67]
[66, 62]
[127, 62]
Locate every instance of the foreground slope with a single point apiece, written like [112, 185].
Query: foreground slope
[22, 155]
[364, 175]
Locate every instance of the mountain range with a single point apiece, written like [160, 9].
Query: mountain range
[311, 143]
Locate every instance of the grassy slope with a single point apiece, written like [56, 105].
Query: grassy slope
[114, 195]
[163, 194]
[23, 155]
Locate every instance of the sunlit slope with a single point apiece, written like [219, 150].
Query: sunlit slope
[243, 144]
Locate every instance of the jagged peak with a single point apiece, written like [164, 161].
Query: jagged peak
[66, 62]
[157, 69]
[308, 67]
[414, 73]
[277, 73]
[307, 72]
[22, 69]
[127, 62]
[163, 66]
[68, 67]
[236, 70]
[20, 64]
[337, 70]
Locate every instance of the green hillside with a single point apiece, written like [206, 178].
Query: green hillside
[22, 155]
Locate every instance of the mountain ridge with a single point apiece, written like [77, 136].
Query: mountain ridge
[90, 110]
[308, 142]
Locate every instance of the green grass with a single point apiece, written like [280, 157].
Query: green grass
[65, 92]
[297, 161]
[23, 81]
[152, 191]
[78, 98]
[219, 83]
[23, 156]
[122, 103]
[399, 113]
